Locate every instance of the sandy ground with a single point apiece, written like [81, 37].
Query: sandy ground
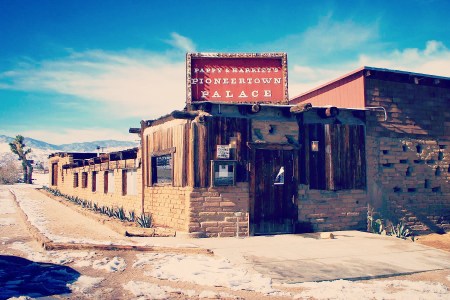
[438, 241]
[136, 275]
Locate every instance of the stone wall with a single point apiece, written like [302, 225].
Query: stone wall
[321, 210]
[167, 205]
[408, 154]
[212, 211]
[411, 179]
[66, 185]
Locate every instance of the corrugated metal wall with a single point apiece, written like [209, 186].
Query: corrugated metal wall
[347, 92]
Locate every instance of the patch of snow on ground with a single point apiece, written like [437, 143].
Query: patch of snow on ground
[82, 263]
[32, 254]
[66, 257]
[7, 221]
[146, 290]
[205, 270]
[56, 257]
[84, 284]
[393, 289]
[116, 264]
[144, 259]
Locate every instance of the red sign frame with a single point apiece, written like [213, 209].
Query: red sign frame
[237, 77]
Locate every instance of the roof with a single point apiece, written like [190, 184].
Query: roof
[372, 70]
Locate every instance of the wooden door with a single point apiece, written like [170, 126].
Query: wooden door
[54, 174]
[273, 205]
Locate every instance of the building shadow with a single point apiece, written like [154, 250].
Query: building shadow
[23, 277]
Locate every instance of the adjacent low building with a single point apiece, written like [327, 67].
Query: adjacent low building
[407, 141]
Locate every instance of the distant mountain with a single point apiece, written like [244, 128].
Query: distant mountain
[32, 143]
[92, 146]
[41, 150]
[73, 147]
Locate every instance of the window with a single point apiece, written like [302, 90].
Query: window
[94, 181]
[334, 157]
[129, 182]
[162, 169]
[84, 180]
[75, 180]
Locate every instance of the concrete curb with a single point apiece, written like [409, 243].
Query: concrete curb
[48, 244]
[35, 233]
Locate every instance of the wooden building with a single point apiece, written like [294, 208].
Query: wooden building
[218, 164]
[241, 159]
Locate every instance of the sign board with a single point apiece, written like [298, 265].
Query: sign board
[237, 78]
[223, 151]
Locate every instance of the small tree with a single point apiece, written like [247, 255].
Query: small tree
[9, 171]
[18, 147]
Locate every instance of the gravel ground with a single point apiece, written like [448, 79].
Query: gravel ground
[81, 274]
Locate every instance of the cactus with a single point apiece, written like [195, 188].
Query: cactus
[131, 216]
[120, 214]
[401, 231]
[144, 221]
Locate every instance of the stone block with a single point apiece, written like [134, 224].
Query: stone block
[227, 234]
[208, 224]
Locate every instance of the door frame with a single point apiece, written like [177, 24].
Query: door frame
[252, 170]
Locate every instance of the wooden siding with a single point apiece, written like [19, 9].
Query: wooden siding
[170, 136]
[340, 162]
[273, 131]
[347, 92]
[218, 131]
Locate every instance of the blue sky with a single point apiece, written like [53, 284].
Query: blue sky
[87, 70]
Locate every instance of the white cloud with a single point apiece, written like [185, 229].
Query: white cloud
[434, 59]
[130, 84]
[330, 36]
[181, 42]
[326, 38]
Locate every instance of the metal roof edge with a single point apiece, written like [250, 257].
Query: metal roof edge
[329, 82]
